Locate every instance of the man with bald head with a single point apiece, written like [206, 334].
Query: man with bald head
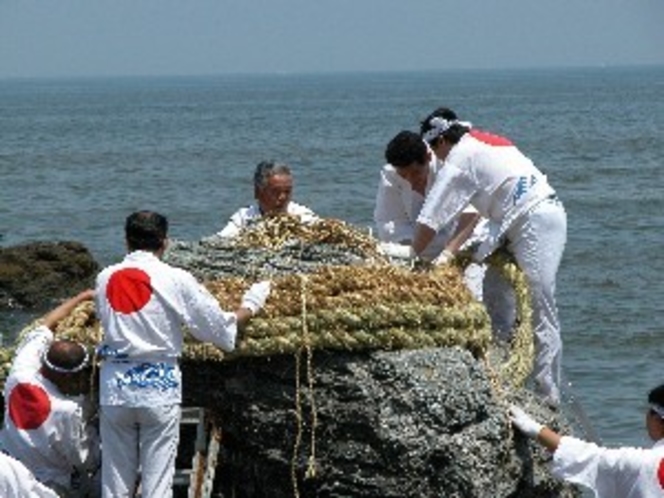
[46, 414]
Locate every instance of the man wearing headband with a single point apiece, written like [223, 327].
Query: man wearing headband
[46, 415]
[402, 187]
[143, 305]
[404, 183]
[525, 217]
[273, 191]
[610, 472]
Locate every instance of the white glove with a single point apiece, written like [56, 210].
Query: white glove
[254, 299]
[443, 258]
[394, 250]
[524, 422]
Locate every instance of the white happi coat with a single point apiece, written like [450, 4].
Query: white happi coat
[397, 206]
[611, 473]
[143, 304]
[395, 213]
[16, 481]
[243, 217]
[491, 174]
[44, 429]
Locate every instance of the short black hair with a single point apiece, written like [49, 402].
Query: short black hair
[146, 230]
[267, 169]
[656, 396]
[453, 134]
[406, 148]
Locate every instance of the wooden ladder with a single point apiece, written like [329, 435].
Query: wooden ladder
[199, 479]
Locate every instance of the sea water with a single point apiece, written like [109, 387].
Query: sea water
[78, 155]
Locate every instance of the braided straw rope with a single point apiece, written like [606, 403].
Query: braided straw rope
[371, 306]
[522, 349]
[277, 231]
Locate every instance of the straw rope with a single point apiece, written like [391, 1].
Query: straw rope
[361, 307]
[373, 306]
[519, 364]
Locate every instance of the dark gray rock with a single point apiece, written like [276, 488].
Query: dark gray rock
[412, 423]
[35, 275]
[216, 257]
[422, 423]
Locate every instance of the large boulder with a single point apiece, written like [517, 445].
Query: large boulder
[405, 422]
[334, 412]
[36, 274]
[414, 423]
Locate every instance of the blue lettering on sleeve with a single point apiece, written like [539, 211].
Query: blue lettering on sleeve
[106, 351]
[523, 184]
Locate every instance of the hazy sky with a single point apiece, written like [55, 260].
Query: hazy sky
[157, 37]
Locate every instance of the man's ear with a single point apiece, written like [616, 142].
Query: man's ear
[162, 249]
[660, 428]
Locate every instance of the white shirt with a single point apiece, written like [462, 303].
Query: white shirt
[397, 207]
[16, 481]
[43, 428]
[611, 473]
[489, 173]
[245, 216]
[142, 304]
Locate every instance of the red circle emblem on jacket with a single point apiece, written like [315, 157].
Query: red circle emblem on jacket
[660, 473]
[490, 138]
[29, 406]
[128, 290]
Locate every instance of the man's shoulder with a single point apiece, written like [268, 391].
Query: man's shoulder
[38, 332]
[142, 260]
[299, 209]
[238, 220]
[249, 211]
[108, 271]
[42, 395]
[28, 352]
[389, 173]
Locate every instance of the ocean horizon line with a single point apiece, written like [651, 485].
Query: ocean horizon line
[331, 74]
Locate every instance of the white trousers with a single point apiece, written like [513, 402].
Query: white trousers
[500, 301]
[473, 276]
[489, 287]
[139, 437]
[537, 241]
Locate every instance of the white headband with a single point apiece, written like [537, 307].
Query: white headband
[77, 368]
[659, 410]
[441, 125]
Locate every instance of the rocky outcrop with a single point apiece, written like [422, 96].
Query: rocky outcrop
[419, 423]
[427, 422]
[36, 274]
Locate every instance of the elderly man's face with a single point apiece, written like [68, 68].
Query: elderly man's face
[274, 197]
